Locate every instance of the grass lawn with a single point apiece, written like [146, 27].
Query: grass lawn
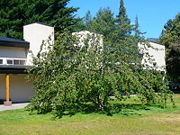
[150, 121]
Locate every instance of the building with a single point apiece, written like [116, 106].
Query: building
[37, 34]
[153, 55]
[91, 37]
[16, 57]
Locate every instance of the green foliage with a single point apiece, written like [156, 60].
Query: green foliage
[84, 23]
[137, 32]
[51, 71]
[16, 13]
[123, 22]
[103, 22]
[152, 88]
[114, 29]
[87, 19]
[70, 77]
[171, 39]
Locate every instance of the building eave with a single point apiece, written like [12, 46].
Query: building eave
[14, 69]
[10, 42]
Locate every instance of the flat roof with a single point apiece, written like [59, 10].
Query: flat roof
[10, 42]
[41, 23]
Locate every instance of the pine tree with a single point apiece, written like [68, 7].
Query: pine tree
[123, 20]
[122, 16]
[103, 23]
[88, 17]
[138, 35]
[16, 13]
[136, 27]
[70, 78]
[84, 23]
[171, 39]
[87, 20]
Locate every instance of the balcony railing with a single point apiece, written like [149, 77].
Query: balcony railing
[12, 61]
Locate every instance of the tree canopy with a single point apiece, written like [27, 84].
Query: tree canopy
[16, 13]
[95, 77]
[171, 39]
[123, 21]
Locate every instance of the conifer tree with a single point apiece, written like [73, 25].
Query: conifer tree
[171, 39]
[123, 21]
[136, 27]
[84, 23]
[16, 13]
[122, 16]
[87, 20]
[103, 23]
[70, 79]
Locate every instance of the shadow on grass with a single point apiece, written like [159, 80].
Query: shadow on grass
[110, 110]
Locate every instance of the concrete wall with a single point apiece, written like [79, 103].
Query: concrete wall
[20, 88]
[36, 33]
[2, 86]
[91, 37]
[13, 52]
[157, 53]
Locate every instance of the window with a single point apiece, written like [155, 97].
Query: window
[9, 62]
[22, 62]
[19, 62]
[16, 62]
[1, 61]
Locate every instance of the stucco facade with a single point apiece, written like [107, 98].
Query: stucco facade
[16, 58]
[20, 89]
[13, 52]
[92, 38]
[36, 34]
[156, 53]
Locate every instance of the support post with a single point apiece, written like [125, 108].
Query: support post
[7, 81]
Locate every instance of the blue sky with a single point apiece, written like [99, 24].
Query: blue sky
[152, 14]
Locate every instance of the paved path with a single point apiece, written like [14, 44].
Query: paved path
[13, 107]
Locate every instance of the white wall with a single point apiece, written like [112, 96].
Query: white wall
[20, 88]
[93, 38]
[2, 86]
[157, 53]
[35, 33]
[13, 52]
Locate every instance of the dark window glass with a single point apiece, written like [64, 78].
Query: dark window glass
[22, 62]
[16, 62]
[9, 62]
[1, 61]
